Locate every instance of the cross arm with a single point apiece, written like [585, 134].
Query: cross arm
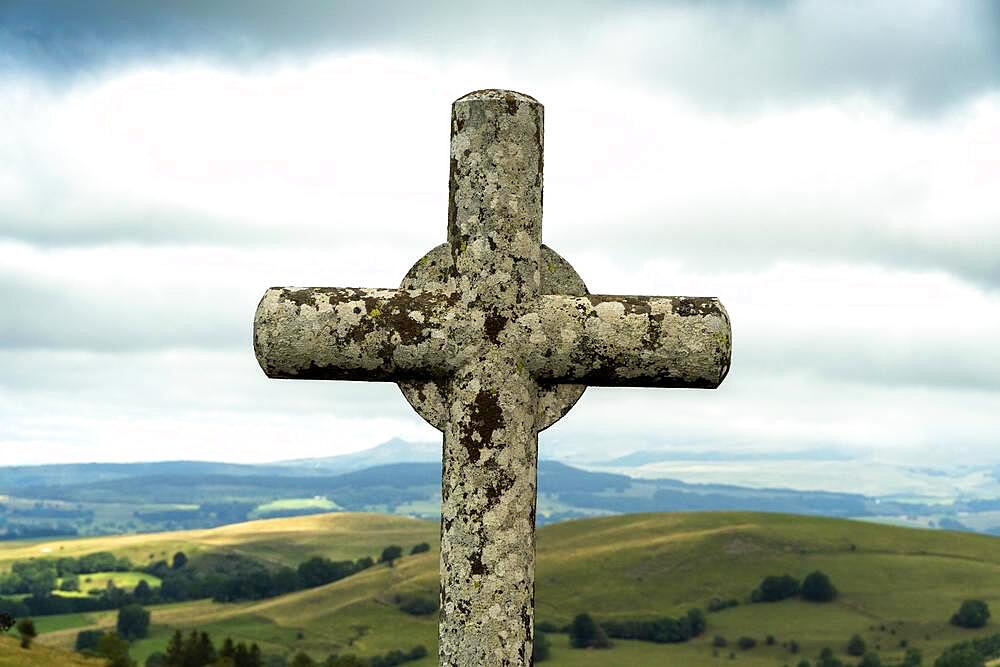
[643, 341]
[329, 333]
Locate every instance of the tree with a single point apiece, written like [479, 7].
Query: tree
[390, 553]
[157, 659]
[133, 622]
[70, 582]
[774, 588]
[26, 628]
[826, 659]
[542, 647]
[142, 591]
[180, 560]
[420, 548]
[115, 649]
[67, 565]
[175, 649]
[585, 633]
[302, 660]
[817, 587]
[856, 646]
[746, 643]
[696, 621]
[254, 657]
[416, 604]
[913, 658]
[202, 648]
[972, 614]
[962, 655]
[870, 659]
[102, 561]
[88, 640]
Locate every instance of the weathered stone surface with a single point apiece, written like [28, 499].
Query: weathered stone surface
[427, 396]
[492, 337]
[326, 333]
[640, 341]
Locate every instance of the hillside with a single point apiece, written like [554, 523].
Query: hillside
[286, 541]
[12, 655]
[895, 583]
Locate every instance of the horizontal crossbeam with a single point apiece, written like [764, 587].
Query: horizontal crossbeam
[391, 335]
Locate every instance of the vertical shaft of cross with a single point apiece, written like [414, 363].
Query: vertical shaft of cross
[490, 441]
[495, 197]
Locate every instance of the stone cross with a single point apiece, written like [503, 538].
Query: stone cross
[492, 337]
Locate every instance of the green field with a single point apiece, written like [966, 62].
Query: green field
[895, 584]
[294, 504]
[124, 580]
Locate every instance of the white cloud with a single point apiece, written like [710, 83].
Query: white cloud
[143, 213]
[184, 404]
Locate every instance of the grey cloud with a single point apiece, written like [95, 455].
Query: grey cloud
[933, 364]
[927, 54]
[182, 380]
[146, 315]
[130, 316]
[738, 239]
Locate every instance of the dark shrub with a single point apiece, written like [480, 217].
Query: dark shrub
[417, 605]
[133, 622]
[88, 640]
[26, 628]
[773, 589]
[972, 614]
[817, 587]
[542, 647]
[856, 646]
[585, 633]
[746, 643]
[390, 554]
[718, 604]
[870, 659]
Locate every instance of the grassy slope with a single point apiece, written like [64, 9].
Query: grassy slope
[12, 655]
[279, 541]
[639, 565]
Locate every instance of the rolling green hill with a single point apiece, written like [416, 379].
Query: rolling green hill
[895, 584]
[12, 655]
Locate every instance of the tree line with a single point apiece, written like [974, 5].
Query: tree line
[256, 583]
[585, 632]
[179, 581]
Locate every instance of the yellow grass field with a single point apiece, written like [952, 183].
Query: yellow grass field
[287, 541]
[12, 655]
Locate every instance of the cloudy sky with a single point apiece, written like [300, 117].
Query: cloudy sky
[831, 171]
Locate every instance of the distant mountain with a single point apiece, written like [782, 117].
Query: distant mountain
[189, 497]
[15, 477]
[389, 452]
[396, 477]
[647, 456]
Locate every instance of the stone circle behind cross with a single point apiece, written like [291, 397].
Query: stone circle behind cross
[492, 337]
